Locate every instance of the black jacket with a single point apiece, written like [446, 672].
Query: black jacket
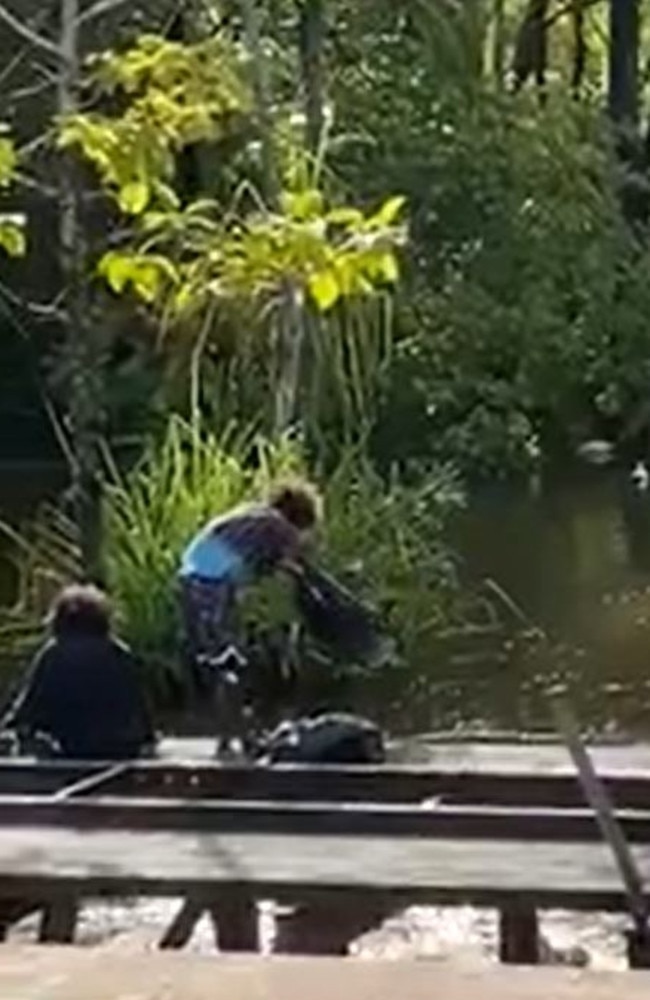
[83, 692]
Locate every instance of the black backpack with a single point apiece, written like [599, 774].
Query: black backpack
[331, 738]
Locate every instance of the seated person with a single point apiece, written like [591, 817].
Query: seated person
[82, 693]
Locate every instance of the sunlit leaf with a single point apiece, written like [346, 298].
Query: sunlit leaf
[133, 198]
[12, 236]
[8, 161]
[117, 269]
[344, 217]
[146, 281]
[389, 267]
[303, 204]
[324, 289]
[388, 213]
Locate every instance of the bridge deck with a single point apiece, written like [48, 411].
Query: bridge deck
[47, 861]
[89, 974]
[519, 774]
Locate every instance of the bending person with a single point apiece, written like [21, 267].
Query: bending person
[226, 555]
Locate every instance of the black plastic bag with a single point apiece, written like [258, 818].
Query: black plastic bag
[330, 738]
[335, 618]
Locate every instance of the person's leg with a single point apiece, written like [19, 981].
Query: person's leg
[209, 608]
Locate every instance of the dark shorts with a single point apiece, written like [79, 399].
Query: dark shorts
[208, 614]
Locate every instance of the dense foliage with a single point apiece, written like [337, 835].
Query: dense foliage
[224, 238]
[520, 325]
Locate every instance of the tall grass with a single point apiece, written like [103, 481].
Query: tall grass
[382, 537]
[153, 511]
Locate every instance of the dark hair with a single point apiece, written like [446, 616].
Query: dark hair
[80, 610]
[298, 502]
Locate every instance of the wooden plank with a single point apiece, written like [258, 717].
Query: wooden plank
[388, 784]
[182, 926]
[59, 920]
[349, 819]
[87, 974]
[91, 783]
[235, 919]
[42, 862]
[26, 776]
[514, 774]
[518, 934]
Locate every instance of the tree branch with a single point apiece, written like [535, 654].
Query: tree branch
[33, 91]
[12, 65]
[101, 7]
[568, 8]
[31, 36]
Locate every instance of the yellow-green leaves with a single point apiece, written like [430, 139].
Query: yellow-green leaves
[147, 274]
[388, 213]
[8, 160]
[175, 95]
[324, 288]
[325, 255]
[12, 234]
[12, 224]
[134, 197]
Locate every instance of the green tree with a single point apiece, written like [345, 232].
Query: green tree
[192, 261]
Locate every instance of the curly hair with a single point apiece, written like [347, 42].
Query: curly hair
[298, 501]
[80, 610]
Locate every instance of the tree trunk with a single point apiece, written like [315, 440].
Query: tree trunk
[531, 47]
[290, 325]
[290, 341]
[86, 396]
[261, 90]
[312, 39]
[579, 47]
[498, 42]
[623, 90]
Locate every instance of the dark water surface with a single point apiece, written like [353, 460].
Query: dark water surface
[575, 555]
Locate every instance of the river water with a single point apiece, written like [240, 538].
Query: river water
[575, 555]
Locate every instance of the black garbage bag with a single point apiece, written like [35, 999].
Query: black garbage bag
[330, 738]
[336, 619]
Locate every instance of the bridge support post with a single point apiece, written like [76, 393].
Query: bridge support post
[235, 920]
[326, 927]
[518, 934]
[59, 921]
[638, 948]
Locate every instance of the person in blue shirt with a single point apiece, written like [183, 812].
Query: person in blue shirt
[229, 553]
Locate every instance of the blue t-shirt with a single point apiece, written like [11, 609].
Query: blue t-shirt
[242, 545]
[210, 557]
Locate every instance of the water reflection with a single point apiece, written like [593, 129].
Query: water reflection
[577, 556]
